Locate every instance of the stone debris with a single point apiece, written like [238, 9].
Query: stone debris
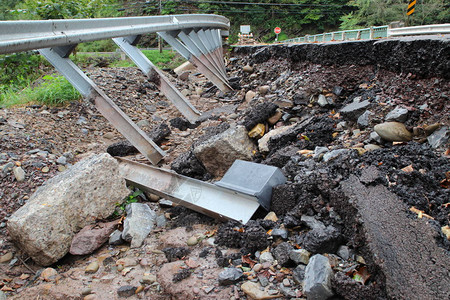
[229, 276]
[300, 256]
[49, 274]
[355, 109]
[440, 137]
[399, 114]
[319, 130]
[63, 205]
[393, 132]
[116, 238]
[92, 267]
[318, 274]
[91, 237]
[138, 224]
[126, 291]
[19, 174]
[254, 291]
[218, 153]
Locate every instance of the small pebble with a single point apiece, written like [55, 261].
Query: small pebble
[286, 282]
[92, 267]
[49, 274]
[257, 267]
[6, 258]
[86, 291]
[45, 169]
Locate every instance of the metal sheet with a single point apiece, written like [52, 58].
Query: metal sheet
[253, 179]
[105, 105]
[206, 198]
[157, 77]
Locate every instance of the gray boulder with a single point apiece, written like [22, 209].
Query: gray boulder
[399, 114]
[138, 224]
[353, 110]
[88, 191]
[230, 276]
[318, 274]
[440, 137]
[219, 152]
[364, 119]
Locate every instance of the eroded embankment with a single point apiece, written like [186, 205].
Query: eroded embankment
[422, 56]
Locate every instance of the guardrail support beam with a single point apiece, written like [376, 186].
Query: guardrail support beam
[104, 104]
[215, 77]
[158, 78]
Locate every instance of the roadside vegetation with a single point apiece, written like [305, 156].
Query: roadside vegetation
[27, 78]
[25, 75]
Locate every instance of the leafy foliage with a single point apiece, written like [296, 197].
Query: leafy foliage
[63, 9]
[132, 198]
[19, 68]
[369, 13]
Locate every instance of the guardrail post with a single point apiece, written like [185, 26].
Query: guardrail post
[343, 36]
[104, 104]
[158, 78]
[358, 35]
[371, 33]
[192, 54]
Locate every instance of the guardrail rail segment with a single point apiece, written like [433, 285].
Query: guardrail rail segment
[196, 37]
[375, 32]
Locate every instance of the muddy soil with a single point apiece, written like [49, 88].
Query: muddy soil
[309, 208]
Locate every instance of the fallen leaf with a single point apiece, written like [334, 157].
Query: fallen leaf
[246, 259]
[408, 169]
[239, 229]
[420, 213]
[6, 289]
[210, 233]
[24, 276]
[361, 275]
[445, 183]
[192, 263]
[126, 271]
[446, 231]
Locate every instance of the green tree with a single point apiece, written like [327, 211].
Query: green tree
[6, 8]
[369, 13]
[63, 9]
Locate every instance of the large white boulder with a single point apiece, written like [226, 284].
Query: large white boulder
[88, 191]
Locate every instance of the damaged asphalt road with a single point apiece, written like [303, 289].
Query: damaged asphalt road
[364, 213]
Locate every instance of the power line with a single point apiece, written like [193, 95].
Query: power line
[260, 3]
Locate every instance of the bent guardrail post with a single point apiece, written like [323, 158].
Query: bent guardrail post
[158, 78]
[57, 56]
[193, 56]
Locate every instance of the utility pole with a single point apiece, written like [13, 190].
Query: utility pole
[159, 38]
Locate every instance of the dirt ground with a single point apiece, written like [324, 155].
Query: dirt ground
[45, 141]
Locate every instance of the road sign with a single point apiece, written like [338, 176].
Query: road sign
[245, 29]
[411, 7]
[277, 30]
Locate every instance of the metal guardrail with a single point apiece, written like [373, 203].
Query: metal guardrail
[345, 35]
[419, 30]
[375, 32]
[195, 37]
[28, 35]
